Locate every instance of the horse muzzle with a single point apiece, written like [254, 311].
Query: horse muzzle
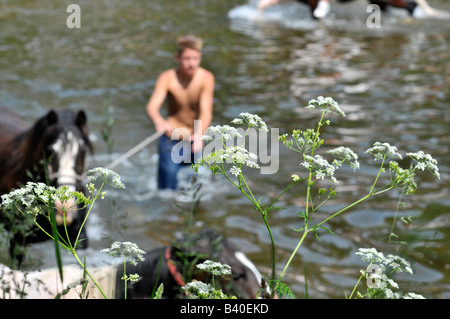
[65, 211]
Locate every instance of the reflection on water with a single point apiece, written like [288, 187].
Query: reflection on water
[391, 82]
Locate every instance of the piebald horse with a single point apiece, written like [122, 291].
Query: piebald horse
[173, 266]
[320, 8]
[54, 150]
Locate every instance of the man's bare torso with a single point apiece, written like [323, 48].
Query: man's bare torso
[183, 99]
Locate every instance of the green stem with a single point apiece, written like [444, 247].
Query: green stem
[395, 217]
[125, 275]
[294, 253]
[308, 193]
[279, 196]
[319, 125]
[357, 283]
[344, 209]
[264, 216]
[87, 272]
[307, 230]
[378, 175]
[87, 214]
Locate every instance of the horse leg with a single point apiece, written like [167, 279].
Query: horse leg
[383, 4]
[318, 8]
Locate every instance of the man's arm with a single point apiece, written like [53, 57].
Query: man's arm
[263, 4]
[205, 110]
[156, 101]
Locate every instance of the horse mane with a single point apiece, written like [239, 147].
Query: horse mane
[187, 250]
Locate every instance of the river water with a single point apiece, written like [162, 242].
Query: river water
[392, 82]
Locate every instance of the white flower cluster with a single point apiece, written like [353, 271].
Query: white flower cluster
[233, 155]
[131, 277]
[327, 104]
[235, 170]
[201, 290]
[252, 120]
[198, 289]
[29, 196]
[224, 132]
[345, 154]
[107, 176]
[320, 166]
[382, 150]
[383, 285]
[412, 295]
[215, 268]
[397, 263]
[125, 249]
[425, 161]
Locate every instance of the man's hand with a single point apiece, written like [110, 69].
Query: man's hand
[197, 143]
[164, 126]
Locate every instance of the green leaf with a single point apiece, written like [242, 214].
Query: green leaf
[281, 289]
[159, 292]
[56, 242]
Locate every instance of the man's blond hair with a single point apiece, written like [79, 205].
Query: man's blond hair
[189, 41]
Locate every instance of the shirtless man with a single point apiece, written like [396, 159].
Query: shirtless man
[189, 91]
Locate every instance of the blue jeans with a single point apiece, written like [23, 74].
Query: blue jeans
[170, 164]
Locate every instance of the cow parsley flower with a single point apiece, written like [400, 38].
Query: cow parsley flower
[235, 171]
[198, 289]
[223, 132]
[425, 161]
[107, 176]
[370, 255]
[215, 268]
[379, 283]
[131, 277]
[31, 195]
[383, 150]
[125, 249]
[201, 290]
[346, 154]
[236, 155]
[319, 167]
[252, 120]
[412, 295]
[327, 104]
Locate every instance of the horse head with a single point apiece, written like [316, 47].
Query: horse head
[246, 281]
[61, 137]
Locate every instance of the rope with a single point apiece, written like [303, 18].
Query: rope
[119, 160]
[135, 149]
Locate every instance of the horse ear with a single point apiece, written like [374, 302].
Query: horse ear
[52, 117]
[81, 119]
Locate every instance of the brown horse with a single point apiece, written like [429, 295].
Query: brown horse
[54, 150]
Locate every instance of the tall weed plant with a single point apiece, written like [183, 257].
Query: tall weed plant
[231, 160]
